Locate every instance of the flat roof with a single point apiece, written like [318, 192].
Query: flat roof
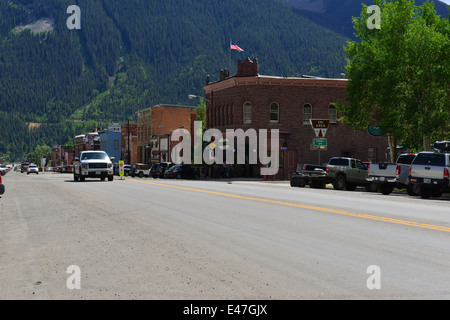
[307, 81]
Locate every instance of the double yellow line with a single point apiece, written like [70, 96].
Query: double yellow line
[304, 206]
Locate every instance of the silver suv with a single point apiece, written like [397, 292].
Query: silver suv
[93, 164]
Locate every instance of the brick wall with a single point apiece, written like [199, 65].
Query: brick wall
[225, 101]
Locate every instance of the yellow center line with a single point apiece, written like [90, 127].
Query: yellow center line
[304, 206]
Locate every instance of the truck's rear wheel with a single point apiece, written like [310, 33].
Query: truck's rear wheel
[371, 187]
[413, 189]
[425, 192]
[386, 188]
[340, 183]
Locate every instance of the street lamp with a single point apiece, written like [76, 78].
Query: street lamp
[193, 96]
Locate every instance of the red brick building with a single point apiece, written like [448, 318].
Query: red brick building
[155, 127]
[249, 100]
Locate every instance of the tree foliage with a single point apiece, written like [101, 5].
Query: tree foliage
[399, 74]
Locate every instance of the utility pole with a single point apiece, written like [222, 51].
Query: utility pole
[129, 155]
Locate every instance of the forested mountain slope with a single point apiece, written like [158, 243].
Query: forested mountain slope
[129, 55]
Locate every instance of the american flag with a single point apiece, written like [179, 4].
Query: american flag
[235, 47]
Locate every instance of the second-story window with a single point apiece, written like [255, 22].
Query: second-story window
[307, 113]
[274, 113]
[247, 112]
[332, 114]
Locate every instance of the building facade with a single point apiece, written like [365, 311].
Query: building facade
[154, 129]
[128, 143]
[110, 141]
[249, 100]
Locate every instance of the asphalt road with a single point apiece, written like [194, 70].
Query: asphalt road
[165, 239]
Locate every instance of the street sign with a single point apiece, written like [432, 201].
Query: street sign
[320, 127]
[321, 142]
[121, 169]
[374, 129]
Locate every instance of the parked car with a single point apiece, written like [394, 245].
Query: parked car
[181, 171]
[32, 168]
[153, 170]
[313, 175]
[140, 170]
[2, 186]
[387, 176]
[126, 170]
[66, 169]
[161, 169]
[93, 164]
[24, 166]
[430, 171]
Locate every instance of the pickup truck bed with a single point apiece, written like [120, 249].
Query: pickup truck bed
[312, 175]
[387, 176]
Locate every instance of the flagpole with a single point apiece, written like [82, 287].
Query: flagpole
[229, 63]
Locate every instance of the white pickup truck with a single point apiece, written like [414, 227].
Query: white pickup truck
[93, 164]
[430, 171]
[387, 176]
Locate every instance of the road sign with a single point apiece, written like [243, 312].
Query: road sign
[320, 127]
[121, 169]
[321, 142]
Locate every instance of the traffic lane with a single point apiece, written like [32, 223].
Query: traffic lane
[308, 248]
[395, 206]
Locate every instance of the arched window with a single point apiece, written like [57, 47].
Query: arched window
[307, 113]
[247, 112]
[332, 113]
[274, 112]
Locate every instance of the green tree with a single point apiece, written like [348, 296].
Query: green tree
[200, 113]
[398, 74]
[41, 151]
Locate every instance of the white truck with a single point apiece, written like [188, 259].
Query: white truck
[93, 164]
[387, 176]
[430, 171]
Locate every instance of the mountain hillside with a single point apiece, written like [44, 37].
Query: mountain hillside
[129, 55]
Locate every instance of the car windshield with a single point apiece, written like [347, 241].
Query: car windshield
[94, 156]
[32, 166]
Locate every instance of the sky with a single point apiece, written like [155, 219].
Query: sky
[445, 1]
